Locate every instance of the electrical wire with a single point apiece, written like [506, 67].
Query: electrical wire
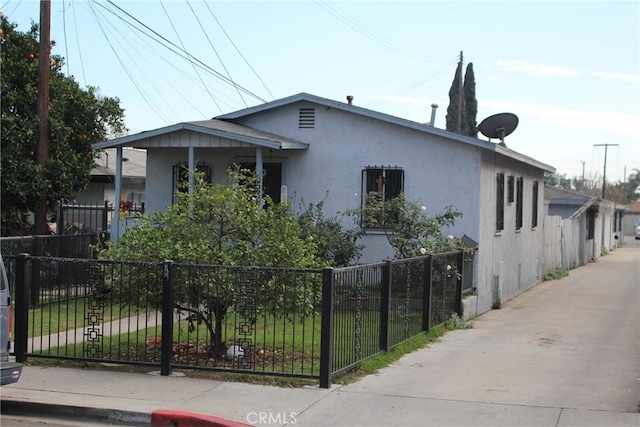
[368, 32]
[172, 47]
[215, 51]
[133, 80]
[149, 50]
[238, 50]
[190, 57]
[75, 23]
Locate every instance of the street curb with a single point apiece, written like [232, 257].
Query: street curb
[171, 418]
[69, 412]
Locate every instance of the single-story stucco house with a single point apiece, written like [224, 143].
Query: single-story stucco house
[311, 149]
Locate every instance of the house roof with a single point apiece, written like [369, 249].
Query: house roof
[306, 97]
[564, 196]
[134, 163]
[223, 134]
[219, 132]
[633, 208]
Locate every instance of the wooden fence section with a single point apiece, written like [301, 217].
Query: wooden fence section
[561, 243]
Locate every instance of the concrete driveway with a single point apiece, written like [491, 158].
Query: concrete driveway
[566, 352]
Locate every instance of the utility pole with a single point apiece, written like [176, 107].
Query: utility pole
[44, 69]
[604, 173]
[460, 96]
[582, 172]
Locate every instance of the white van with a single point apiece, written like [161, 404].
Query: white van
[10, 370]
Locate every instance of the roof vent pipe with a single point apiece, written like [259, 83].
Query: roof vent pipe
[350, 99]
[434, 107]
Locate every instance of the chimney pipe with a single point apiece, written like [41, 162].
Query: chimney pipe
[350, 99]
[434, 107]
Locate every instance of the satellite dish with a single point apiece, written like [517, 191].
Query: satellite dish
[499, 126]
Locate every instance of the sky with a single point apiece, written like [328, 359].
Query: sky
[569, 70]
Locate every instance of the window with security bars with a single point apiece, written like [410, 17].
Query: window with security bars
[181, 177]
[510, 189]
[519, 200]
[591, 223]
[381, 184]
[499, 201]
[534, 205]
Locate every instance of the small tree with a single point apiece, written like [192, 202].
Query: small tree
[221, 225]
[408, 228]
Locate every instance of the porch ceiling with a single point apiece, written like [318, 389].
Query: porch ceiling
[206, 133]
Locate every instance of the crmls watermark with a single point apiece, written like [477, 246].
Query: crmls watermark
[279, 418]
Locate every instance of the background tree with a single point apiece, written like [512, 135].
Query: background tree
[77, 118]
[220, 224]
[629, 190]
[456, 111]
[470, 101]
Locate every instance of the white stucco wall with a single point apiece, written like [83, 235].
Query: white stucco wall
[437, 172]
[509, 261]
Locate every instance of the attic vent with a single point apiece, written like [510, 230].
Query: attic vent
[307, 118]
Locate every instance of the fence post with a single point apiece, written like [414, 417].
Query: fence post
[22, 310]
[105, 214]
[60, 220]
[35, 277]
[426, 293]
[460, 268]
[166, 346]
[385, 306]
[326, 328]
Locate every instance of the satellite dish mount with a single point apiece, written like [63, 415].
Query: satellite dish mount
[499, 126]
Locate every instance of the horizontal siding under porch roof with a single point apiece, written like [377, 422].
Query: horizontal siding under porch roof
[188, 138]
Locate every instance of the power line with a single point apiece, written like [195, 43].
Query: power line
[175, 49]
[238, 50]
[124, 67]
[377, 37]
[190, 60]
[215, 51]
[604, 174]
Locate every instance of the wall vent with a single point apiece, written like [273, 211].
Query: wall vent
[307, 118]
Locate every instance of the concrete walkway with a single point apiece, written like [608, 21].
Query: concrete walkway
[566, 353]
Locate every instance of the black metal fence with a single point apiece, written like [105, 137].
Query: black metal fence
[76, 218]
[274, 321]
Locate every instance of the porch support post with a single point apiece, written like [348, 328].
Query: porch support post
[259, 170]
[192, 167]
[115, 219]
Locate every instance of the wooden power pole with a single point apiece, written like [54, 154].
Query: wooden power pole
[604, 172]
[44, 70]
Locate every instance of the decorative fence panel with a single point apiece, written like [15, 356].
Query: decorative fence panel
[269, 321]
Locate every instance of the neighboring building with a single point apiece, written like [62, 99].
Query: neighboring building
[599, 221]
[102, 185]
[631, 218]
[312, 149]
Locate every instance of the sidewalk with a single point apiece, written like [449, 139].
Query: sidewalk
[565, 353]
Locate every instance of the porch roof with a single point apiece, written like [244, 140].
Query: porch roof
[205, 133]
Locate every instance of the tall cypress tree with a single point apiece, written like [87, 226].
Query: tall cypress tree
[470, 102]
[456, 114]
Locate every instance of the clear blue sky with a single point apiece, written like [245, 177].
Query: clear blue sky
[569, 70]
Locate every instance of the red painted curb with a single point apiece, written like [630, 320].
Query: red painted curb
[169, 418]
